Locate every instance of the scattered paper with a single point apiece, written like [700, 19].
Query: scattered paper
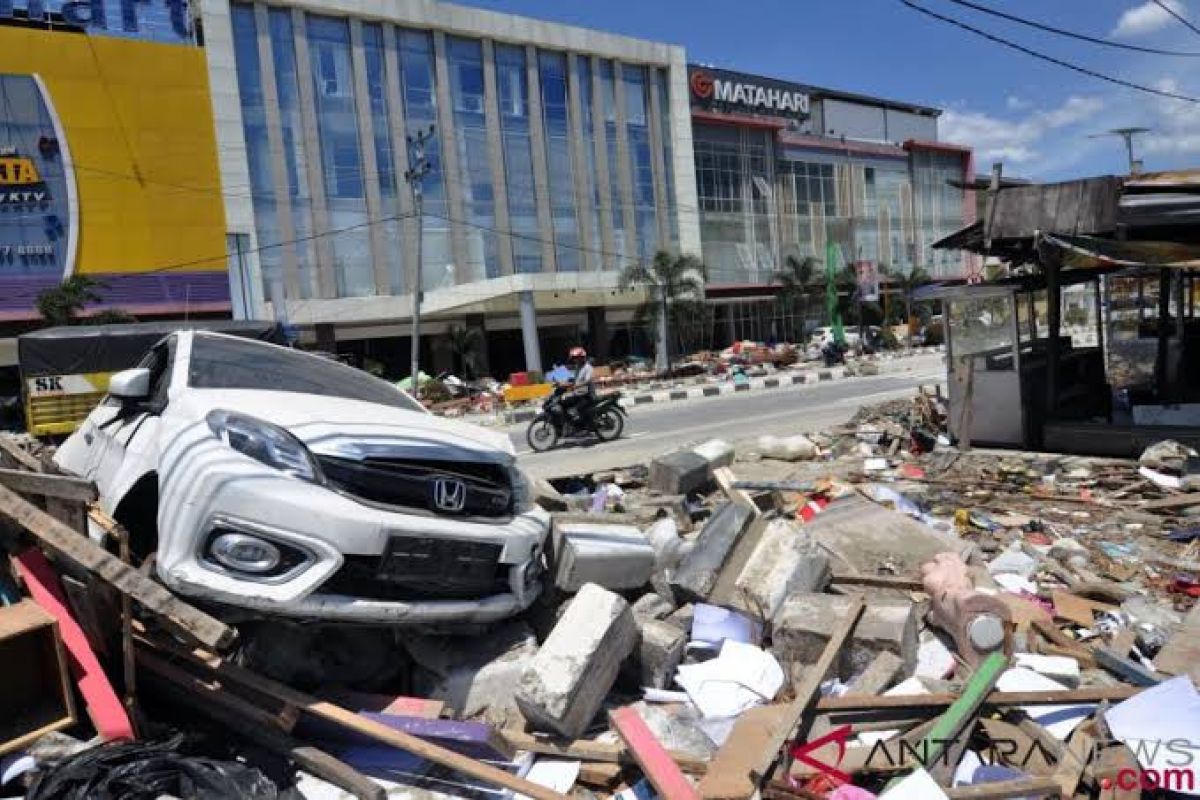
[556, 774]
[653, 695]
[713, 625]
[1058, 720]
[1161, 725]
[1015, 583]
[918, 785]
[875, 464]
[1014, 561]
[741, 677]
[1160, 479]
[1058, 668]
[934, 659]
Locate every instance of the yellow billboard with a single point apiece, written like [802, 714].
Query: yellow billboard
[108, 168]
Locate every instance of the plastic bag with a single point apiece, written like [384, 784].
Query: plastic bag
[148, 770]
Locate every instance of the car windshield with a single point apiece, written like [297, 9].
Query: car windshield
[218, 362]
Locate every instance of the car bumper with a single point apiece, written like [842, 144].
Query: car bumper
[234, 493]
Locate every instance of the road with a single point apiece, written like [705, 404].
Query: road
[658, 428]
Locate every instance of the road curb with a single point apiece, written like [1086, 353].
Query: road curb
[776, 381]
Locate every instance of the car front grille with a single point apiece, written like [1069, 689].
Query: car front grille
[473, 489]
[416, 568]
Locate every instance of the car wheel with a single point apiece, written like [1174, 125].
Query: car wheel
[541, 435]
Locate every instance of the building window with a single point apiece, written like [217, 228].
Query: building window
[583, 67]
[608, 103]
[377, 86]
[465, 62]
[337, 125]
[512, 81]
[664, 102]
[552, 69]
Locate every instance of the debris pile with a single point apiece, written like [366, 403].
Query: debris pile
[860, 612]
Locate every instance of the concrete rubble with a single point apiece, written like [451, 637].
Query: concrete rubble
[728, 599]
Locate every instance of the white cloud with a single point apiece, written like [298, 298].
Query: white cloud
[1174, 124]
[1019, 141]
[1014, 103]
[1146, 18]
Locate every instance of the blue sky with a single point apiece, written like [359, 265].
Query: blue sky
[1035, 117]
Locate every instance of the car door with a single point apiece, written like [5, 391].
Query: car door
[119, 435]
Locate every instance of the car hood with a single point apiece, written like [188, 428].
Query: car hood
[354, 429]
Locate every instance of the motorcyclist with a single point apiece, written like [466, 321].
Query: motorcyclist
[580, 392]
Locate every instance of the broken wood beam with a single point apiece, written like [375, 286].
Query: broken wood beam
[1002, 790]
[12, 454]
[1090, 694]
[587, 750]
[360, 724]
[62, 487]
[807, 691]
[177, 615]
[880, 582]
[660, 769]
[727, 777]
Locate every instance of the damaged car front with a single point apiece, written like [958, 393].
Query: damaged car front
[294, 486]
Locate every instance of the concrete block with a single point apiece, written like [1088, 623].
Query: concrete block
[784, 562]
[804, 623]
[651, 606]
[564, 685]
[717, 452]
[885, 670]
[682, 617]
[697, 573]
[680, 472]
[476, 674]
[612, 556]
[659, 653]
[546, 495]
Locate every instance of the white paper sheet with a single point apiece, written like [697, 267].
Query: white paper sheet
[1058, 668]
[909, 686]
[714, 625]
[1161, 725]
[1059, 720]
[741, 677]
[919, 785]
[558, 774]
[653, 695]
[934, 659]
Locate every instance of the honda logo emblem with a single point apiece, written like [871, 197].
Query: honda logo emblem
[449, 494]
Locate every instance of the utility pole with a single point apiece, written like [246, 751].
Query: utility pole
[1127, 134]
[418, 168]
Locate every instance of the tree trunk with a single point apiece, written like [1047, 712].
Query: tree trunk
[908, 317]
[664, 341]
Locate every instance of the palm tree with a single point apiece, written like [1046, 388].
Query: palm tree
[909, 282]
[668, 279]
[796, 282]
[61, 304]
[465, 343]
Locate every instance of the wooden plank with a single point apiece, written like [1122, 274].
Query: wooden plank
[259, 726]
[661, 770]
[104, 708]
[1171, 503]
[728, 777]
[1075, 760]
[63, 487]
[725, 480]
[1181, 653]
[1073, 609]
[599, 773]
[367, 727]
[16, 457]
[1002, 790]
[1090, 694]
[586, 750]
[807, 691]
[177, 615]
[880, 582]
[118, 533]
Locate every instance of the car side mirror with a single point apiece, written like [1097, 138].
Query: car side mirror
[130, 384]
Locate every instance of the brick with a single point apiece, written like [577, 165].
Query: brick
[612, 556]
[784, 562]
[804, 624]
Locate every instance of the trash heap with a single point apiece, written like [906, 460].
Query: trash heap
[866, 611]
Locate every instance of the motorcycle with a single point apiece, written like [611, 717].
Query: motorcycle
[603, 418]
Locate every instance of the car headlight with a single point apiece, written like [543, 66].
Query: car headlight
[522, 493]
[265, 442]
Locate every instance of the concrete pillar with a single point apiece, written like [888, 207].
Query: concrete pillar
[529, 333]
[684, 172]
[326, 337]
[598, 335]
[325, 282]
[370, 165]
[279, 178]
[482, 362]
[450, 167]
[659, 160]
[496, 157]
[541, 171]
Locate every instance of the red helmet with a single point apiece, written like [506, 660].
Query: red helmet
[577, 352]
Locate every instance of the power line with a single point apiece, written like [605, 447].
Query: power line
[1050, 59]
[1041, 26]
[1165, 7]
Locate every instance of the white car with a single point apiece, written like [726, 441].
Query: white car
[273, 482]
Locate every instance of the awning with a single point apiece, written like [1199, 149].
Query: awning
[1089, 252]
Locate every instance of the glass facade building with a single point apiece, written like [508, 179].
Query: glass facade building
[543, 159]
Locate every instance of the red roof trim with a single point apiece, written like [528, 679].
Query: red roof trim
[825, 143]
[917, 144]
